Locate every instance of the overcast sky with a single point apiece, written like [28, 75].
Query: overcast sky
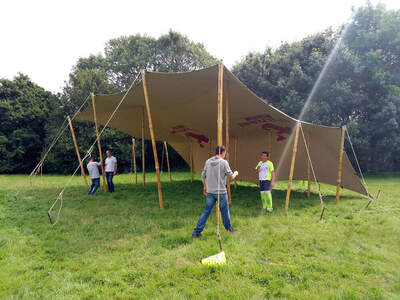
[44, 39]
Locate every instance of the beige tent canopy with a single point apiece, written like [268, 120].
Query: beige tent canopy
[183, 110]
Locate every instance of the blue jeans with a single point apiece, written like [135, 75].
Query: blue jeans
[211, 199]
[110, 184]
[95, 185]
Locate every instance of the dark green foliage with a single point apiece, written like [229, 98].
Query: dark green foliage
[123, 60]
[24, 113]
[360, 85]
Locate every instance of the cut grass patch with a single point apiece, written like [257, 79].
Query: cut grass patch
[124, 246]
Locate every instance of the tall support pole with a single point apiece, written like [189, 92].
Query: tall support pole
[191, 160]
[134, 158]
[220, 100]
[98, 143]
[236, 166]
[169, 168]
[228, 180]
[143, 151]
[153, 141]
[270, 144]
[308, 167]
[296, 139]
[77, 150]
[339, 178]
[219, 114]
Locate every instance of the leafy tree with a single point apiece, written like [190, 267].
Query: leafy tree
[123, 59]
[358, 86]
[24, 111]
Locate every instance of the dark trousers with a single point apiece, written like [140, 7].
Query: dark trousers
[110, 184]
[95, 185]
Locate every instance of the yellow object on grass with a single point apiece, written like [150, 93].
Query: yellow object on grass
[217, 259]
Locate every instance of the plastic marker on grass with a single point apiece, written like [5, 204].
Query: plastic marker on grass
[217, 259]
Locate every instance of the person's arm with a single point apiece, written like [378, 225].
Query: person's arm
[272, 179]
[229, 173]
[203, 179]
[258, 167]
[115, 168]
[236, 173]
[204, 186]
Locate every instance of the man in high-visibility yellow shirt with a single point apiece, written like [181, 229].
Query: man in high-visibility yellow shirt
[266, 175]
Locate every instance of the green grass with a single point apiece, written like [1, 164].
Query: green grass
[124, 246]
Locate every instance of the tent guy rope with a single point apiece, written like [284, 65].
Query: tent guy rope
[88, 153]
[313, 172]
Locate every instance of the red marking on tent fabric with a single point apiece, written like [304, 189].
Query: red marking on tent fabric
[191, 133]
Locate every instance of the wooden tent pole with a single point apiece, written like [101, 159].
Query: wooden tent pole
[191, 160]
[235, 141]
[98, 143]
[308, 167]
[153, 141]
[339, 178]
[228, 180]
[220, 100]
[296, 139]
[77, 150]
[134, 158]
[143, 151]
[169, 168]
[219, 114]
[270, 144]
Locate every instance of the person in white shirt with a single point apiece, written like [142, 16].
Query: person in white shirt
[111, 170]
[93, 168]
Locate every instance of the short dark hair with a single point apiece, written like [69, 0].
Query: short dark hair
[219, 150]
[90, 158]
[265, 152]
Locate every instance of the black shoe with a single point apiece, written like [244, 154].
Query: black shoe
[233, 230]
[196, 235]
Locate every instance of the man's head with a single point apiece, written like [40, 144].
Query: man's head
[91, 159]
[108, 152]
[264, 156]
[221, 151]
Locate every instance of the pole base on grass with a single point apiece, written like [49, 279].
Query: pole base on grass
[217, 259]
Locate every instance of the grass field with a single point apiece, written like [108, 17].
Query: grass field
[124, 246]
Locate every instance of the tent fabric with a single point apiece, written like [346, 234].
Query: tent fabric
[184, 111]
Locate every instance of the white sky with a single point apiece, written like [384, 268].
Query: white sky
[44, 39]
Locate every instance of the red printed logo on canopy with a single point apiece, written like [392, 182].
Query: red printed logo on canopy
[267, 122]
[190, 133]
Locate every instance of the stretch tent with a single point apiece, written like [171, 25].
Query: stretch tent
[183, 109]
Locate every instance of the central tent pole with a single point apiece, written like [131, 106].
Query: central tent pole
[270, 144]
[169, 168]
[296, 139]
[219, 114]
[153, 142]
[236, 167]
[98, 142]
[77, 151]
[191, 160]
[134, 158]
[308, 168]
[339, 179]
[228, 180]
[143, 151]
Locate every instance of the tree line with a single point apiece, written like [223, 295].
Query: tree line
[350, 76]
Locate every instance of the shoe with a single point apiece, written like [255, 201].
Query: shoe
[269, 210]
[196, 235]
[233, 230]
